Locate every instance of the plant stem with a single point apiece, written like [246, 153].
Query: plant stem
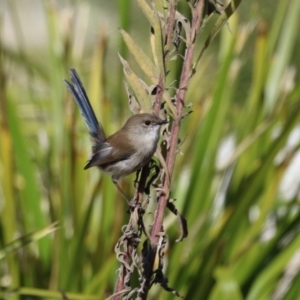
[171, 154]
[180, 97]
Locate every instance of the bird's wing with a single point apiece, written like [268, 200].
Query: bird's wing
[106, 154]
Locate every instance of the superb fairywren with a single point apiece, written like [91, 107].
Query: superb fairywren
[127, 150]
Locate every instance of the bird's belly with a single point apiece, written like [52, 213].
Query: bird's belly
[127, 166]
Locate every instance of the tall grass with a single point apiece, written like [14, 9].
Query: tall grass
[243, 238]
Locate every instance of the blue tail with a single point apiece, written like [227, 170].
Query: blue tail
[77, 90]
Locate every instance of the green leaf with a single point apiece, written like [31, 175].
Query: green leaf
[27, 239]
[227, 287]
[141, 58]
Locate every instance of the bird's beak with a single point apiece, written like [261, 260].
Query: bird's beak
[162, 122]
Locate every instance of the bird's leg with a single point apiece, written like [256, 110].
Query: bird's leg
[136, 180]
[120, 191]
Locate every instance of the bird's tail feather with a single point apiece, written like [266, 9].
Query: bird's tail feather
[79, 94]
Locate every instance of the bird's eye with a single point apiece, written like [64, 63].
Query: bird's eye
[147, 123]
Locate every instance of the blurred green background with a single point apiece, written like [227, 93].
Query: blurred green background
[236, 178]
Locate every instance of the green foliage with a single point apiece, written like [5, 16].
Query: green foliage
[243, 238]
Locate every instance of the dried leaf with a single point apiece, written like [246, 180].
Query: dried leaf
[156, 41]
[182, 221]
[214, 6]
[158, 272]
[163, 281]
[136, 86]
[121, 293]
[182, 22]
[155, 170]
[133, 104]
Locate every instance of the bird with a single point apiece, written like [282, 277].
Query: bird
[127, 150]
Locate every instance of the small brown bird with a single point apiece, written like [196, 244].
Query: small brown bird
[127, 150]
